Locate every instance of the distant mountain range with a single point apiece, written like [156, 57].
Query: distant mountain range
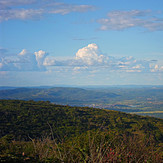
[62, 95]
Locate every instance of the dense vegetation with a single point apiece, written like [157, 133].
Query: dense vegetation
[42, 132]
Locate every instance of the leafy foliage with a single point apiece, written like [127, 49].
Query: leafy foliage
[30, 118]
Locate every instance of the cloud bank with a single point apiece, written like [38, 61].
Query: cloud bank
[23, 61]
[120, 20]
[35, 9]
[89, 58]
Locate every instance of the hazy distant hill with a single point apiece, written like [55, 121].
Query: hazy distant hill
[6, 87]
[58, 95]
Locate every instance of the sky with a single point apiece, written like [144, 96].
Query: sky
[81, 42]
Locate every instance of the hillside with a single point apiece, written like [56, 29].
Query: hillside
[43, 132]
[57, 95]
[23, 118]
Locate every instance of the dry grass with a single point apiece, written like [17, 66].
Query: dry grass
[94, 147]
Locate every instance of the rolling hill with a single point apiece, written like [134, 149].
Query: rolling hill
[23, 118]
[59, 95]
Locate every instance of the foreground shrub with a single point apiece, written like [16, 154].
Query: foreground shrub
[93, 146]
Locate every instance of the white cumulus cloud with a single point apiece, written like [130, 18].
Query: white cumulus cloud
[90, 55]
[40, 57]
[23, 61]
[90, 58]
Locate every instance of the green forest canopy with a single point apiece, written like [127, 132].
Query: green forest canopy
[29, 118]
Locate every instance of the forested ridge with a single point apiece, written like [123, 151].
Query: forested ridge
[57, 94]
[23, 118]
[23, 121]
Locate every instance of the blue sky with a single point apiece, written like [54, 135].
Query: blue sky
[69, 42]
